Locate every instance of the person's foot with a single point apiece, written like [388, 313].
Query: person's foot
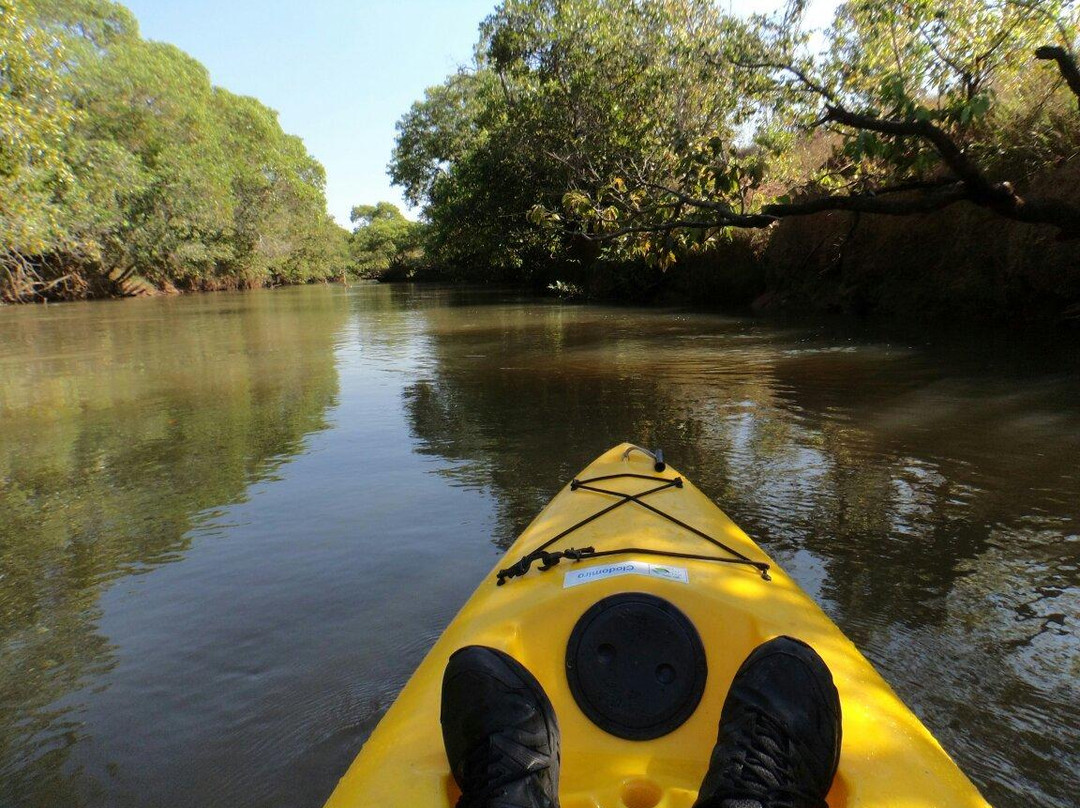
[500, 732]
[779, 739]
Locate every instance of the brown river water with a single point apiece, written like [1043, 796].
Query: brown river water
[231, 525]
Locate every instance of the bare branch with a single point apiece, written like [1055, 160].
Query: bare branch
[925, 202]
[805, 80]
[751, 220]
[928, 39]
[914, 185]
[1066, 63]
[950, 153]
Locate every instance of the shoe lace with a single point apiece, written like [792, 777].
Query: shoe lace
[764, 769]
[492, 766]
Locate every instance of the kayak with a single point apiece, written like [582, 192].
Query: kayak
[633, 599]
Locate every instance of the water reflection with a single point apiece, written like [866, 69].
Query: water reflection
[120, 426]
[212, 507]
[926, 493]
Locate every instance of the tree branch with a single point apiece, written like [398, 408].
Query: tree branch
[936, 197]
[922, 198]
[999, 197]
[969, 184]
[749, 220]
[926, 202]
[944, 145]
[722, 208]
[1066, 63]
[803, 79]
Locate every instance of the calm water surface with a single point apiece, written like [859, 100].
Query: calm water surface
[231, 525]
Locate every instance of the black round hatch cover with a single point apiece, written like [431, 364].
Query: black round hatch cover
[636, 666]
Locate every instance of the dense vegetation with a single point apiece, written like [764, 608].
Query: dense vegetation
[591, 144]
[596, 134]
[122, 165]
[384, 244]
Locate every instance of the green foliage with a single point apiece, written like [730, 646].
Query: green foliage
[641, 130]
[132, 163]
[563, 96]
[383, 241]
[959, 64]
[457, 154]
[34, 117]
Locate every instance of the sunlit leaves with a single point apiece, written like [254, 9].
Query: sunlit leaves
[34, 116]
[118, 157]
[648, 127]
[955, 63]
[382, 238]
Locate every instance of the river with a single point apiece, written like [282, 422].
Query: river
[231, 525]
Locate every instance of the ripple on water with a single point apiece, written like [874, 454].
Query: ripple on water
[234, 524]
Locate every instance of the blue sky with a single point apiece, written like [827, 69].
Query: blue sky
[340, 72]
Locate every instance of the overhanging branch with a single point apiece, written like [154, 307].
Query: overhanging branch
[1066, 63]
[967, 183]
[999, 197]
[945, 146]
[919, 198]
[750, 221]
[923, 202]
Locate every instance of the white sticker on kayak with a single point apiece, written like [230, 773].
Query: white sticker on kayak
[589, 574]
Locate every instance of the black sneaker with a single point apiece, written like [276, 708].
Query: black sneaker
[779, 740]
[500, 732]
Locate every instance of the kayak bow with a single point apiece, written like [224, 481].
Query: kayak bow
[633, 600]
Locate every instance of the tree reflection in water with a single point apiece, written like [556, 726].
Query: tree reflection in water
[928, 496]
[143, 425]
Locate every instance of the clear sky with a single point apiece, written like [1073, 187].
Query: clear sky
[340, 72]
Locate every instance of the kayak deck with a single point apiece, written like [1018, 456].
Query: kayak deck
[888, 758]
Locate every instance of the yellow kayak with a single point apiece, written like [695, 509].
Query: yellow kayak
[631, 558]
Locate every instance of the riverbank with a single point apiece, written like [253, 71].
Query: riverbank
[124, 170]
[963, 264]
[960, 265]
[682, 155]
[135, 286]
